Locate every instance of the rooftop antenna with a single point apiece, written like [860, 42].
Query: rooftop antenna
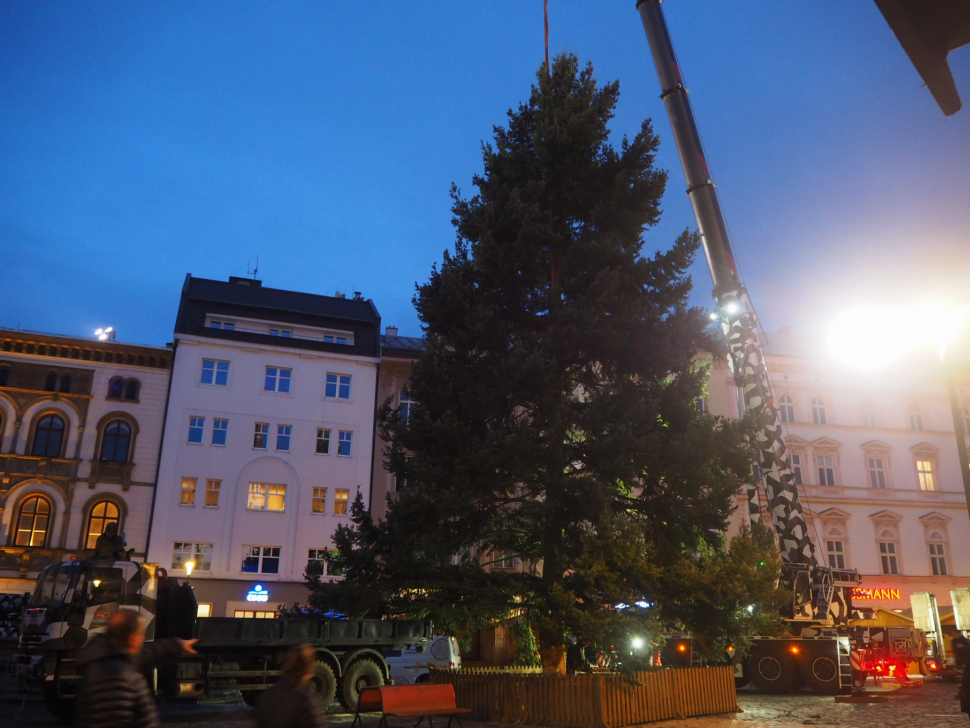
[254, 271]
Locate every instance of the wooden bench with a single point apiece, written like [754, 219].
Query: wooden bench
[409, 701]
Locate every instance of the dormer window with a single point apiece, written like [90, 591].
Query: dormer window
[224, 325]
[334, 339]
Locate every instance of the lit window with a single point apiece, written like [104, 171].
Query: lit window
[261, 559]
[787, 408]
[261, 436]
[323, 441]
[887, 554]
[285, 333]
[212, 493]
[102, 514]
[938, 559]
[340, 499]
[836, 552]
[33, 522]
[818, 411]
[283, 437]
[204, 610]
[252, 614]
[868, 415]
[215, 372]
[407, 406]
[198, 553]
[188, 492]
[877, 473]
[266, 497]
[796, 467]
[924, 469]
[48, 437]
[196, 426]
[277, 379]
[344, 443]
[220, 428]
[915, 418]
[826, 469]
[319, 500]
[338, 386]
[116, 442]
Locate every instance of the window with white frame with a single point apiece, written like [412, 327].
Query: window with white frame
[261, 436]
[261, 560]
[323, 441]
[212, 488]
[266, 497]
[319, 503]
[868, 414]
[915, 418]
[338, 386]
[198, 553]
[345, 443]
[407, 405]
[334, 339]
[877, 472]
[215, 372]
[220, 428]
[887, 556]
[826, 469]
[196, 430]
[227, 325]
[277, 380]
[504, 560]
[938, 557]
[796, 467]
[187, 496]
[283, 433]
[818, 411]
[341, 497]
[285, 333]
[320, 563]
[787, 407]
[925, 473]
[836, 553]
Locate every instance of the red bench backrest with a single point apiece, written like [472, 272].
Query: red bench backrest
[369, 700]
[406, 698]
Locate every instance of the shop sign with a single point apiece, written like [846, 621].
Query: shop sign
[861, 593]
[257, 594]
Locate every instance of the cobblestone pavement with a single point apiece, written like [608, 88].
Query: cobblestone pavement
[930, 706]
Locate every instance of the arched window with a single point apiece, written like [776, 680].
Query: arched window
[4, 376]
[116, 387]
[116, 442]
[818, 411]
[66, 384]
[50, 385]
[33, 522]
[868, 414]
[787, 408]
[915, 418]
[131, 389]
[48, 437]
[102, 514]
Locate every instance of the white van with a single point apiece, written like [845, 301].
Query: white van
[410, 666]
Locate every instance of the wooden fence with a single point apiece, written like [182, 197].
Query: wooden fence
[601, 701]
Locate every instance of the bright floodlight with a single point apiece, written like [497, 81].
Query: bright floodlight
[637, 643]
[732, 307]
[189, 565]
[714, 316]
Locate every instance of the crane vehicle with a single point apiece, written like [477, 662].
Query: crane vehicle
[818, 653]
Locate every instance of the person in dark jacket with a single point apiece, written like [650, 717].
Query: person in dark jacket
[288, 704]
[113, 692]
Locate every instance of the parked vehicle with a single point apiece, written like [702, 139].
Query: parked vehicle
[411, 666]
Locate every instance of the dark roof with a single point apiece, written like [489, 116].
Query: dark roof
[402, 347]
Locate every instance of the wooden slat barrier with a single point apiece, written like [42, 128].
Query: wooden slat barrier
[500, 670]
[603, 701]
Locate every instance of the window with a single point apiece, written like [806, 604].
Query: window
[877, 472]
[277, 379]
[338, 386]
[220, 428]
[252, 614]
[826, 469]
[188, 492]
[116, 442]
[261, 436]
[33, 522]
[198, 553]
[316, 562]
[266, 497]
[196, 426]
[50, 384]
[915, 418]
[331, 339]
[226, 325]
[344, 443]
[4, 376]
[407, 405]
[48, 437]
[212, 493]
[887, 554]
[66, 384]
[285, 333]
[965, 418]
[131, 389]
[938, 559]
[504, 560]
[102, 514]
[868, 414]
[319, 500]
[700, 402]
[818, 411]
[796, 467]
[787, 408]
[283, 437]
[323, 441]
[204, 609]
[261, 559]
[836, 552]
[116, 387]
[340, 498]
[215, 372]
[924, 470]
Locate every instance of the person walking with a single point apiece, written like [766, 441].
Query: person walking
[288, 704]
[113, 692]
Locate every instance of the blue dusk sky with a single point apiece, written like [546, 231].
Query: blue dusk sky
[142, 141]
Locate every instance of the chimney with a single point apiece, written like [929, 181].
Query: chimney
[338, 294]
[391, 331]
[358, 296]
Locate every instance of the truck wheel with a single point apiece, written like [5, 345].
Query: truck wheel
[323, 685]
[771, 673]
[61, 708]
[361, 674]
[821, 674]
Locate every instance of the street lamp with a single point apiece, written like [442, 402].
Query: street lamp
[107, 334]
[189, 565]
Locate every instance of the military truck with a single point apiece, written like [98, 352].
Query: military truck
[73, 600]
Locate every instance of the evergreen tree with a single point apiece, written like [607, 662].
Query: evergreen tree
[557, 422]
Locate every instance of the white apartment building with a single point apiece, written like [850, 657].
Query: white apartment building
[876, 461]
[80, 431]
[268, 438]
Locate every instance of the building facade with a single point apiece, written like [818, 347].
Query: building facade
[268, 439]
[875, 458]
[80, 432]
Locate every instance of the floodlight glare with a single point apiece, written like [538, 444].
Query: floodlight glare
[714, 316]
[637, 643]
[189, 565]
[732, 307]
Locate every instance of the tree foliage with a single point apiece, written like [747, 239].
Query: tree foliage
[557, 420]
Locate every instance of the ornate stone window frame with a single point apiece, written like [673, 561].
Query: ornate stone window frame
[835, 527]
[878, 449]
[826, 446]
[885, 526]
[89, 505]
[935, 531]
[925, 451]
